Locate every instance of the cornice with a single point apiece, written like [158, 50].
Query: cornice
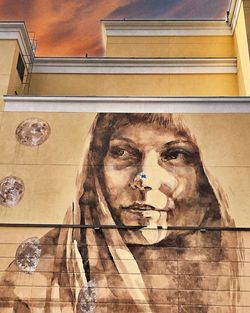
[165, 28]
[104, 65]
[128, 104]
[17, 31]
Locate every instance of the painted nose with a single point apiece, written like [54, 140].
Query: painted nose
[158, 181]
[155, 176]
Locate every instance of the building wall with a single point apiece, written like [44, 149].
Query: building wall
[199, 161]
[7, 51]
[134, 85]
[40, 266]
[10, 81]
[170, 47]
[246, 4]
[15, 84]
[242, 50]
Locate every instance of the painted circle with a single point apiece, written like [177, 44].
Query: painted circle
[11, 191]
[32, 132]
[87, 298]
[28, 255]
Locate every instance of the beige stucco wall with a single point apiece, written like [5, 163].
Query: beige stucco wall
[15, 84]
[246, 4]
[7, 52]
[9, 79]
[170, 47]
[134, 85]
[242, 51]
[48, 171]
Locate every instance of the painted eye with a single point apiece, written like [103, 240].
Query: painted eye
[176, 154]
[119, 153]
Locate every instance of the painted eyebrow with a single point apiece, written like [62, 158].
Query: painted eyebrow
[176, 142]
[123, 139]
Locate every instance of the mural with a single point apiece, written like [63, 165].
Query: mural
[150, 238]
[32, 132]
[11, 191]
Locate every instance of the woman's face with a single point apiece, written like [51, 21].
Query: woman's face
[151, 178]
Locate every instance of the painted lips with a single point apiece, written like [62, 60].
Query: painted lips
[137, 207]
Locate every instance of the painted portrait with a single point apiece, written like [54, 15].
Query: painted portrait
[150, 229]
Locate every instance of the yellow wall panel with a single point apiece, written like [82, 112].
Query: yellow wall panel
[4, 80]
[134, 85]
[43, 200]
[10, 82]
[242, 50]
[15, 84]
[173, 47]
[7, 51]
[45, 168]
[57, 149]
[204, 85]
[246, 5]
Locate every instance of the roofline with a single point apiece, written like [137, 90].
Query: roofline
[176, 28]
[163, 20]
[17, 30]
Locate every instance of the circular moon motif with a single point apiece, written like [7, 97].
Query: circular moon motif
[28, 255]
[11, 191]
[32, 132]
[87, 299]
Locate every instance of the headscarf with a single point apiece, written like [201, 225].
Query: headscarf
[94, 210]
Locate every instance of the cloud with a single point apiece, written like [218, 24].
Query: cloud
[144, 9]
[73, 27]
[171, 9]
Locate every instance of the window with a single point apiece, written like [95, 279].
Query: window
[20, 67]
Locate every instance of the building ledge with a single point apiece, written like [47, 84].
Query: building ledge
[178, 28]
[134, 65]
[128, 104]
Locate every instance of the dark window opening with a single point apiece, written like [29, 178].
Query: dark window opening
[20, 67]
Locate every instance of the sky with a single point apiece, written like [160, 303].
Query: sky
[73, 28]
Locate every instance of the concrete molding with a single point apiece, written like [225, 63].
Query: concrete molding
[17, 31]
[128, 104]
[165, 28]
[134, 65]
